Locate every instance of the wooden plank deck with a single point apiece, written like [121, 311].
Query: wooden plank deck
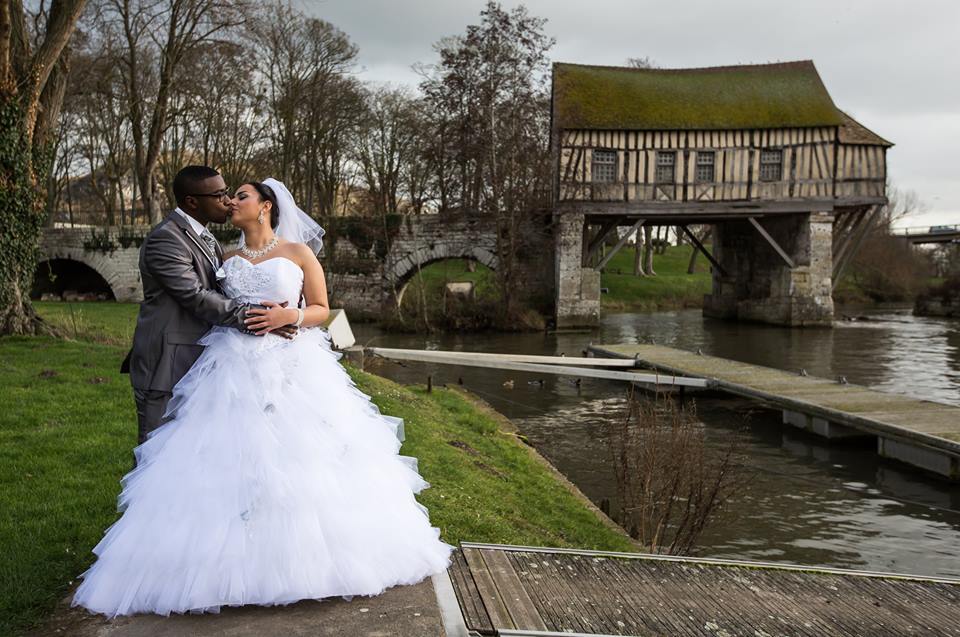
[516, 590]
[924, 424]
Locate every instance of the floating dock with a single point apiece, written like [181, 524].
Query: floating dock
[921, 433]
[525, 591]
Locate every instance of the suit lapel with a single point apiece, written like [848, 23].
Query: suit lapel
[184, 225]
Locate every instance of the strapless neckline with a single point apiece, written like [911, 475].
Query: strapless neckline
[258, 263]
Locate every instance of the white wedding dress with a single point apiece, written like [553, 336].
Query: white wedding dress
[276, 480]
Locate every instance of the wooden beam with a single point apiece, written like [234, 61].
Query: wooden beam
[459, 357]
[493, 601]
[851, 233]
[649, 208]
[426, 356]
[606, 227]
[773, 244]
[842, 226]
[706, 253]
[620, 244]
[840, 266]
[523, 612]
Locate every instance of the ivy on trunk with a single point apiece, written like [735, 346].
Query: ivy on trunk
[32, 83]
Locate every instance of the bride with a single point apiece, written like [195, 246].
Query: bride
[275, 479]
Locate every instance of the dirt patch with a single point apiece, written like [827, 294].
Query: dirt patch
[488, 469]
[463, 446]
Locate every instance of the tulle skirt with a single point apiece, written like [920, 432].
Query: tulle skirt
[276, 480]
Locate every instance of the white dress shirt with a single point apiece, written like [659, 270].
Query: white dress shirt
[198, 227]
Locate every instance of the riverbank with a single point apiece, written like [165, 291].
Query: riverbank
[68, 429]
[941, 300]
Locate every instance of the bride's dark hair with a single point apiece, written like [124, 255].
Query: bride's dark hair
[266, 194]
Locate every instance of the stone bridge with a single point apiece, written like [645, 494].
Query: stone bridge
[363, 284]
[90, 260]
[104, 260]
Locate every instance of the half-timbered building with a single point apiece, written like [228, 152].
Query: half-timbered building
[789, 181]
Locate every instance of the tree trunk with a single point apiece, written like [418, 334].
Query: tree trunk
[648, 251]
[638, 254]
[22, 219]
[31, 91]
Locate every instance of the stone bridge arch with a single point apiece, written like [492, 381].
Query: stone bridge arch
[117, 266]
[430, 238]
[403, 272]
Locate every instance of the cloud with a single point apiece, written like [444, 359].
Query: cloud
[891, 64]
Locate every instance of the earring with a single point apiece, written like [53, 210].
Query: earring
[260, 217]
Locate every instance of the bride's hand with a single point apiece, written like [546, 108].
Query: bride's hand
[271, 317]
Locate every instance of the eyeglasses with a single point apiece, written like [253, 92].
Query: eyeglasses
[220, 194]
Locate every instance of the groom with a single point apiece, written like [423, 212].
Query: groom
[181, 299]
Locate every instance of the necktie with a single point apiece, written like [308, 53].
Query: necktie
[211, 244]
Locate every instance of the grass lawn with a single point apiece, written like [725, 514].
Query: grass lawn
[68, 427]
[671, 288]
[108, 322]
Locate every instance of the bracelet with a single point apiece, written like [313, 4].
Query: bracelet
[299, 317]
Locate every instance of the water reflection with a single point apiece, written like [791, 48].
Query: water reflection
[804, 501]
[892, 351]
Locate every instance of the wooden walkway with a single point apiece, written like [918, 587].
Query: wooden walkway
[919, 432]
[516, 590]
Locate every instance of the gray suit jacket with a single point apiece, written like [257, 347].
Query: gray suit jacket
[181, 301]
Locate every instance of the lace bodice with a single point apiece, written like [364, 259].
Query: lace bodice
[276, 279]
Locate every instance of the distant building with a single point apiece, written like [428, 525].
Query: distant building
[712, 145]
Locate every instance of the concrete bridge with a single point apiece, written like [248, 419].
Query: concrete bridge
[104, 260]
[933, 234]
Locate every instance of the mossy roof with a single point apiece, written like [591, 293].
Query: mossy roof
[853, 132]
[789, 94]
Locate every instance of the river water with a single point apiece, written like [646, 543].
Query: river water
[803, 501]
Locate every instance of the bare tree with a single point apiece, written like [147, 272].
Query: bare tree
[645, 62]
[638, 253]
[157, 37]
[99, 103]
[670, 487]
[884, 267]
[386, 144]
[648, 251]
[230, 127]
[314, 105]
[490, 87]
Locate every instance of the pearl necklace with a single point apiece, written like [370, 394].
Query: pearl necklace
[256, 254]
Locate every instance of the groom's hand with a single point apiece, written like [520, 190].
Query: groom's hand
[287, 331]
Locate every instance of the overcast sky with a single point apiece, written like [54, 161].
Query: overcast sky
[888, 63]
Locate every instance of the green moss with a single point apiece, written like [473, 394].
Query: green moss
[758, 96]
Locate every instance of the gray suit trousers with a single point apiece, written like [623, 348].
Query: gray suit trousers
[151, 404]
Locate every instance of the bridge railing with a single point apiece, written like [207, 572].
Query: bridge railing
[918, 230]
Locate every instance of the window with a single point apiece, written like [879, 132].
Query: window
[604, 166]
[771, 165]
[666, 165]
[705, 160]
